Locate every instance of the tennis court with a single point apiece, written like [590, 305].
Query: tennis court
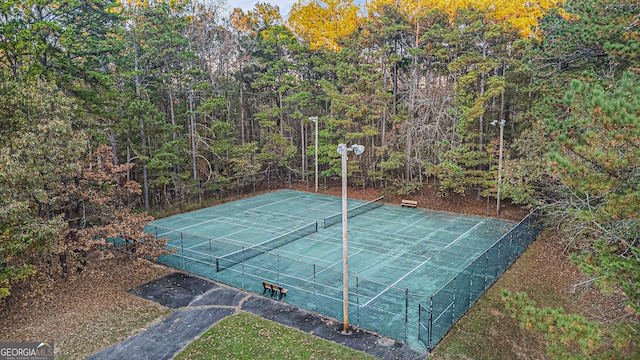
[398, 257]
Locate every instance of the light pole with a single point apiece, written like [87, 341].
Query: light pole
[501, 123]
[344, 150]
[303, 155]
[315, 120]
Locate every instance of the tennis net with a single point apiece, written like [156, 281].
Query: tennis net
[247, 253]
[337, 218]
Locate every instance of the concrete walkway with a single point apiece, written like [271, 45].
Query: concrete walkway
[201, 303]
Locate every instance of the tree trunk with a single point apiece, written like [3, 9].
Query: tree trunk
[143, 137]
[192, 132]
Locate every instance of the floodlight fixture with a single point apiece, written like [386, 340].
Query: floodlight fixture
[342, 148]
[357, 149]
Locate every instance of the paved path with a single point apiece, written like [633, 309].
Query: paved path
[201, 303]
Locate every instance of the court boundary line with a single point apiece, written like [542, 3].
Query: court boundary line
[359, 245]
[391, 236]
[271, 227]
[408, 225]
[182, 228]
[465, 234]
[277, 202]
[327, 268]
[393, 285]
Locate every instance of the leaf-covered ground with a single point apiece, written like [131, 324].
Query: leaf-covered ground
[87, 312]
[551, 280]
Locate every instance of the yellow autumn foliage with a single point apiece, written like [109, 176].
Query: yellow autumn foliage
[522, 15]
[323, 22]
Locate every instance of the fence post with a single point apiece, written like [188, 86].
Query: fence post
[315, 294]
[486, 269]
[243, 253]
[499, 260]
[357, 301]
[406, 315]
[420, 322]
[211, 259]
[453, 301]
[430, 324]
[512, 257]
[182, 251]
[471, 283]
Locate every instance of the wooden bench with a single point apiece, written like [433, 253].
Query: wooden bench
[278, 290]
[409, 203]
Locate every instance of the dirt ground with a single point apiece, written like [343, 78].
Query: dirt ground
[429, 198]
[87, 311]
[92, 310]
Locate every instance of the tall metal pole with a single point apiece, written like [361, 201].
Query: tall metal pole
[342, 148]
[303, 155]
[502, 122]
[315, 120]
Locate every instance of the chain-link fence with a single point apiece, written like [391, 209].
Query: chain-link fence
[451, 301]
[375, 306]
[401, 261]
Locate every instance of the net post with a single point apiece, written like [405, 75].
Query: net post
[315, 294]
[278, 268]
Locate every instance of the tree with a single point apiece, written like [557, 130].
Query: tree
[596, 157]
[323, 23]
[58, 200]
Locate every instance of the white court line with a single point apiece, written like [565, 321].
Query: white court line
[314, 259]
[413, 223]
[277, 202]
[392, 285]
[359, 245]
[332, 265]
[186, 227]
[219, 239]
[386, 235]
[276, 229]
[465, 234]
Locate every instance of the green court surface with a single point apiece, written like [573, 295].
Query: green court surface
[398, 257]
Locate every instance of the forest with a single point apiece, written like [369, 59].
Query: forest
[111, 110]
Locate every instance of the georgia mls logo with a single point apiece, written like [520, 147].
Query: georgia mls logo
[26, 351]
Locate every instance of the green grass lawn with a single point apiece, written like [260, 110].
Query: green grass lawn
[247, 336]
